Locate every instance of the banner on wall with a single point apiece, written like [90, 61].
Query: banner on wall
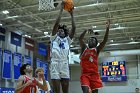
[27, 59]
[29, 43]
[16, 39]
[44, 65]
[7, 62]
[7, 90]
[42, 49]
[2, 34]
[17, 64]
[0, 60]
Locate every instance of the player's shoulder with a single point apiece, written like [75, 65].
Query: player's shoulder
[21, 78]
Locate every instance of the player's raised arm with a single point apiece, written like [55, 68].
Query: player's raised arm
[55, 28]
[81, 40]
[102, 44]
[72, 32]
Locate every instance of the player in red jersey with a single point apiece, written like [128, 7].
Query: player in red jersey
[26, 83]
[90, 78]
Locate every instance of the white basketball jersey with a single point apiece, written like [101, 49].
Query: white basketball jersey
[60, 47]
[42, 91]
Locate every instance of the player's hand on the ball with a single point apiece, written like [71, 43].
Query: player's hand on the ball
[62, 4]
[29, 82]
[71, 11]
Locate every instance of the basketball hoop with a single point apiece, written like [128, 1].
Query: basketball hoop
[46, 5]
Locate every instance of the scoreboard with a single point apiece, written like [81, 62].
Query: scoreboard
[114, 71]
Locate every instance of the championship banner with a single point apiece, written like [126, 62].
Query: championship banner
[29, 43]
[7, 62]
[44, 65]
[17, 64]
[7, 90]
[38, 62]
[2, 34]
[42, 49]
[16, 39]
[0, 61]
[27, 59]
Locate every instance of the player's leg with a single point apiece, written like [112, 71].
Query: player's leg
[65, 85]
[55, 76]
[95, 91]
[64, 76]
[85, 84]
[95, 83]
[85, 89]
[56, 85]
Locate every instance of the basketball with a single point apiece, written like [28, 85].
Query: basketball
[68, 5]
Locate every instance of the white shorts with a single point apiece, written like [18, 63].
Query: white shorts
[59, 70]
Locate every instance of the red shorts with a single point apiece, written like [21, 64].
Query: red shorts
[92, 81]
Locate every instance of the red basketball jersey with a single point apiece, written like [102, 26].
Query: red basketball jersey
[31, 88]
[89, 60]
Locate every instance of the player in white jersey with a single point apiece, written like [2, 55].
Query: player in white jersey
[61, 39]
[39, 78]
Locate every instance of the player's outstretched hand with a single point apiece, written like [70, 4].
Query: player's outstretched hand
[62, 4]
[90, 31]
[108, 23]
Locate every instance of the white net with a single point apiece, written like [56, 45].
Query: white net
[46, 5]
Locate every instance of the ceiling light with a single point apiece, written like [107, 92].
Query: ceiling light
[12, 16]
[29, 36]
[116, 24]
[38, 30]
[132, 39]
[97, 30]
[5, 12]
[46, 33]
[94, 26]
[114, 44]
[71, 46]
[111, 41]
[133, 42]
[90, 5]
[118, 28]
[123, 43]
[26, 35]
